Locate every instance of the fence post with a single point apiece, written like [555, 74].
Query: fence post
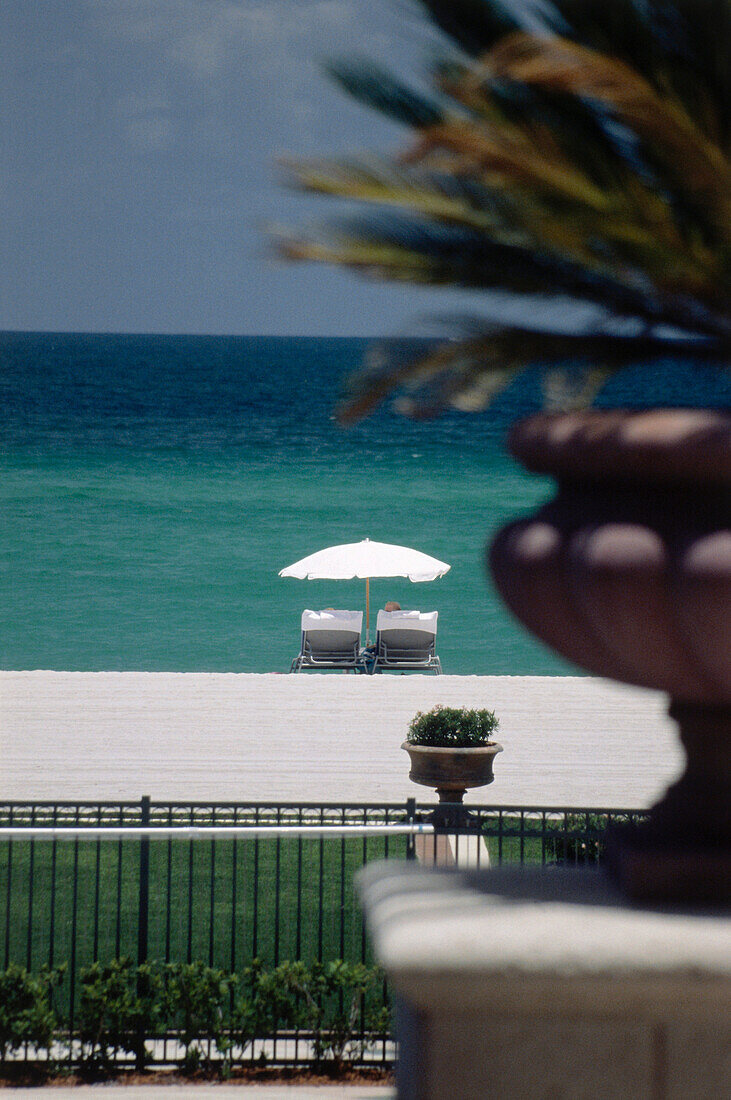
[144, 898]
[411, 817]
[143, 919]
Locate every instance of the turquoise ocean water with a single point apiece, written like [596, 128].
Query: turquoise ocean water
[152, 487]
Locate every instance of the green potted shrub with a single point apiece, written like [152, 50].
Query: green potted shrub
[452, 750]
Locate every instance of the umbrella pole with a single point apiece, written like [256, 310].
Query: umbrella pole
[368, 610]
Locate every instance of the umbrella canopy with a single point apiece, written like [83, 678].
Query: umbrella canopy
[364, 560]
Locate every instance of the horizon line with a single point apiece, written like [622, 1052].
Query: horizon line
[203, 335]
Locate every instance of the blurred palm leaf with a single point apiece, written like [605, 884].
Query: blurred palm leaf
[569, 149]
[468, 373]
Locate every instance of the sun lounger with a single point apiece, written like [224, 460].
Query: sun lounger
[405, 641]
[330, 640]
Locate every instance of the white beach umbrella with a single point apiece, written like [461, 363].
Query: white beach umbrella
[364, 560]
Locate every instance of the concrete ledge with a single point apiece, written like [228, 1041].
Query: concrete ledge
[547, 983]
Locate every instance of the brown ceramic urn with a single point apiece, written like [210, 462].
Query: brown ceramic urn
[627, 573]
[452, 771]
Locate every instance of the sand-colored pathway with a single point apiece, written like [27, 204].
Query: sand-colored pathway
[570, 741]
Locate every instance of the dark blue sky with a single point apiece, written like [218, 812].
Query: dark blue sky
[139, 145]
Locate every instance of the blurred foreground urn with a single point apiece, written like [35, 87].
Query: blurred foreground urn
[627, 573]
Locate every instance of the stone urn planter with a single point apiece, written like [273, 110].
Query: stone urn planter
[627, 573]
[451, 772]
[452, 750]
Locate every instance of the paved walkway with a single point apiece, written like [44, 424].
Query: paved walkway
[568, 741]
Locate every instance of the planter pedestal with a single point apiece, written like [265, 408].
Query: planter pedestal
[457, 840]
[684, 850]
[462, 850]
[627, 573]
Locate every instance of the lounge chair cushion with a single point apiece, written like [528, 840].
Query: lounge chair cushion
[332, 620]
[408, 620]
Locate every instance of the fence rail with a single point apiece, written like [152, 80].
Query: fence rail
[206, 832]
[223, 884]
[145, 812]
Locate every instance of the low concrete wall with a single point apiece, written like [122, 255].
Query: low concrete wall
[519, 984]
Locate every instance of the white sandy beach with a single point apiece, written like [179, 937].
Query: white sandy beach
[568, 741]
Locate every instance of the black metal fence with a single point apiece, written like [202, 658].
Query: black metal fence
[226, 900]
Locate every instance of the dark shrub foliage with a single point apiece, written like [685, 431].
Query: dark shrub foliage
[216, 1015]
[27, 1015]
[268, 1001]
[340, 1019]
[580, 840]
[198, 999]
[452, 727]
[120, 1005]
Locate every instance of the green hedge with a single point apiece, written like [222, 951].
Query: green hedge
[452, 727]
[216, 1015]
[27, 1016]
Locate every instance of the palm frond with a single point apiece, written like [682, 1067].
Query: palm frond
[377, 88]
[661, 122]
[467, 374]
[474, 25]
[504, 156]
[640, 208]
[679, 46]
[442, 196]
[437, 254]
[514, 214]
[569, 150]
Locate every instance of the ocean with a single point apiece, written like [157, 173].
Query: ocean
[153, 486]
